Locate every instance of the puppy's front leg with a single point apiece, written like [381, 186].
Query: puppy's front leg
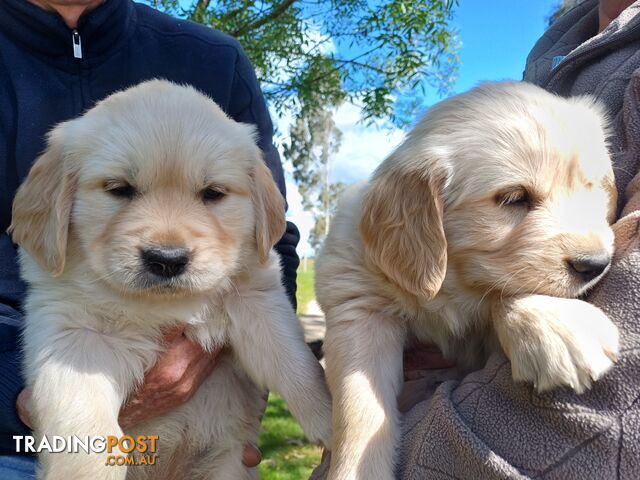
[555, 341]
[363, 351]
[267, 338]
[78, 382]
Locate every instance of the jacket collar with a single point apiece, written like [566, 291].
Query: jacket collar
[573, 40]
[46, 35]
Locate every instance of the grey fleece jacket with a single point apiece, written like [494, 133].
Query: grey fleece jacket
[485, 426]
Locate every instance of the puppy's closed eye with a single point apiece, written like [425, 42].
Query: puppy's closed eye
[518, 197]
[120, 189]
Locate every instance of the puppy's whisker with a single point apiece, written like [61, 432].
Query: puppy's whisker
[490, 289]
[525, 286]
[521, 287]
[487, 292]
[508, 279]
[100, 278]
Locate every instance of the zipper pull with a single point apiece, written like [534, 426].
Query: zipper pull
[77, 44]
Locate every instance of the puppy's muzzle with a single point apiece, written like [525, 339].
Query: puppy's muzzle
[165, 262]
[590, 266]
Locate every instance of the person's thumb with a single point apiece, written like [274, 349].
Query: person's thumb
[21, 406]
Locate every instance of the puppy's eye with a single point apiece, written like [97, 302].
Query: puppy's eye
[518, 197]
[120, 189]
[212, 194]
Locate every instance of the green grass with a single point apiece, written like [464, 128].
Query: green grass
[286, 453]
[306, 291]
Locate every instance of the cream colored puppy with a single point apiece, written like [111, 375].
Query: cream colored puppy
[152, 210]
[479, 230]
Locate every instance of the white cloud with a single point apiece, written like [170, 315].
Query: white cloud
[363, 147]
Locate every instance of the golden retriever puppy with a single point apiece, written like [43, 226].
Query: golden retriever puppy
[477, 232]
[152, 210]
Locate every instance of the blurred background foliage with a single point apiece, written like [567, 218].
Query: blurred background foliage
[315, 54]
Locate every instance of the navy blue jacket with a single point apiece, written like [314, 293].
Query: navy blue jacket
[41, 84]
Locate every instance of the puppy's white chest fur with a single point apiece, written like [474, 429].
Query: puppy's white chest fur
[79, 334]
[209, 326]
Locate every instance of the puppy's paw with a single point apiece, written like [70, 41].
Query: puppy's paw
[317, 425]
[555, 342]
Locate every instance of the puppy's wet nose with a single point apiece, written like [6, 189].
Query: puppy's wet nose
[166, 262]
[590, 266]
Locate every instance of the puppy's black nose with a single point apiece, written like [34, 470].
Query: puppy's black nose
[165, 262]
[590, 266]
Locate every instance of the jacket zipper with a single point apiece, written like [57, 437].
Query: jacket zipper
[77, 44]
[77, 55]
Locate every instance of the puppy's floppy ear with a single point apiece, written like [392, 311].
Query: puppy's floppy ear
[402, 224]
[269, 207]
[42, 207]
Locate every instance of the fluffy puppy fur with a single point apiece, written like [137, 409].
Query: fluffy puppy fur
[479, 231]
[157, 169]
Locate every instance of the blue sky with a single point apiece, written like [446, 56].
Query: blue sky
[495, 36]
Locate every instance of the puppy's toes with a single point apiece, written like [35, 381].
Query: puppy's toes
[319, 435]
[325, 436]
[315, 420]
[319, 431]
[597, 339]
[573, 346]
[552, 366]
[591, 364]
[591, 344]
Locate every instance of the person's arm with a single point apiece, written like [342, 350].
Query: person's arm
[11, 382]
[11, 288]
[247, 105]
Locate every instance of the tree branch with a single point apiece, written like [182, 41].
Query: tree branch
[274, 13]
[201, 7]
[229, 15]
[363, 65]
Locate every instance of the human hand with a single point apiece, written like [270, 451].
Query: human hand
[424, 369]
[418, 357]
[173, 380]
